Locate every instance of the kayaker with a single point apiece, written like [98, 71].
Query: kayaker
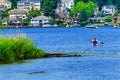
[94, 42]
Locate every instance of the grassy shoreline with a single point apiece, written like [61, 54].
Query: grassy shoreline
[18, 48]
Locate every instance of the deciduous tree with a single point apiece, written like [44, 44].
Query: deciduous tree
[86, 10]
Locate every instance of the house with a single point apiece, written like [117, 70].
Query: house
[62, 17]
[64, 4]
[5, 4]
[40, 21]
[29, 4]
[21, 13]
[15, 21]
[96, 19]
[109, 10]
[16, 16]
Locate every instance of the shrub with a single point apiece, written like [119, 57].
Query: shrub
[83, 23]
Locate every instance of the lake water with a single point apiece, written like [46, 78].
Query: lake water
[103, 64]
[71, 39]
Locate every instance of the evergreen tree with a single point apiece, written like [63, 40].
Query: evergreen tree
[49, 7]
[14, 3]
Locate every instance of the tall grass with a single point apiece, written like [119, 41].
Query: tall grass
[18, 48]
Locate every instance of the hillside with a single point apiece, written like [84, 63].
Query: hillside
[100, 3]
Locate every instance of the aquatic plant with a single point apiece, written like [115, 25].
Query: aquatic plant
[18, 48]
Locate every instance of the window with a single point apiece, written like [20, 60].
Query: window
[23, 16]
[15, 20]
[40, 20]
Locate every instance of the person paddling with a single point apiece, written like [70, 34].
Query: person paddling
[94, 42]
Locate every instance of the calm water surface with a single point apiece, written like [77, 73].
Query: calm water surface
[71, 39]
[103, 65]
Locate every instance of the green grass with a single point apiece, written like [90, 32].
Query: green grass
[18, 48]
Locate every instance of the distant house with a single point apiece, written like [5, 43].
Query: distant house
[40, 21]
[62, 5]
[15, 21]
[16, 16]
[21, 13]
[109, 10]
[96, 19]
[62, 11]
[61, 17]
[5, 4]
[29, 4]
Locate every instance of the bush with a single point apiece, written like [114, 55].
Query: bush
[101, 24]
[83, 23]
[18, 48]
[108, 19]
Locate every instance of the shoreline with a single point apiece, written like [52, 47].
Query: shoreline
[38, 27]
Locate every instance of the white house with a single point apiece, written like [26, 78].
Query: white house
[5, 4]
[29, 4]
[109, 10]
[64, 4]
[40, 21]
[96, 19]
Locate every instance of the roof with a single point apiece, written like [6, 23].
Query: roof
[22, 1]
[108, 6]
[61, 15]
[41, 18]
[4, 1]
[66, 1]
[97, 18]
[18, 11]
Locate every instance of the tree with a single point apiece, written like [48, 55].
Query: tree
[108, 19]
[0, 22]
[86, 10]
[14, 3]
[49, 7]
[4, 14]
[118, 5]
[76, 1]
